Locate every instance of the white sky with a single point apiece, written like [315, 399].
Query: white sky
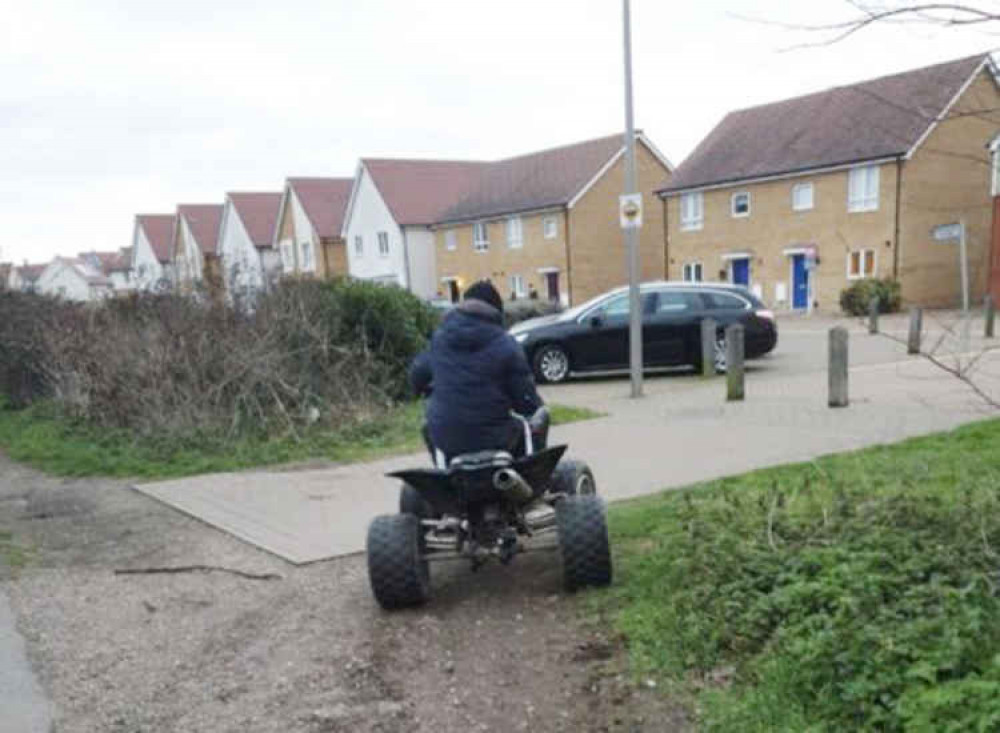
[111, 108]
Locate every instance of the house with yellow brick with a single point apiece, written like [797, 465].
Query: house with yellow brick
[800, 198]
[193, 248]
[546, 224]
[307, 235]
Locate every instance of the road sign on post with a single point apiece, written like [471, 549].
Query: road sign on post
[630, 210]
[947, 233]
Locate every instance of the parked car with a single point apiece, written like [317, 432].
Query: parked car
[593, 337]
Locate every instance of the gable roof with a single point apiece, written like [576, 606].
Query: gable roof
[31, 272]
[418, 192]
[259, 213]
[538, 180]
[881, 118]
[324, 201]
[83, 269]
[108, 262]
[203, 221]
[159, 229]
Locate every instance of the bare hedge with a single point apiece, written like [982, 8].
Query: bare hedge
[170, 365]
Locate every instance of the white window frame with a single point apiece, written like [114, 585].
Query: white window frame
[692, 207]
[480, 236]
[690, 268]
[308, 260]
[518, 287]
[867, 255]
[450, 240]
[359, 245]
[732, 205]
[515, 232]
[287, 247]
[867, 179]
[550, 227]
[383, 244]
[802, 187]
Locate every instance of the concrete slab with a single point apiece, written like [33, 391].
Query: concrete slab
[682, 432]
[23, 706]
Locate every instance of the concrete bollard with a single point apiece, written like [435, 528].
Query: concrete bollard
[991, 312]
[916, 326]
[734, 363]
[708, 330]
[838, 367]
[873, 316]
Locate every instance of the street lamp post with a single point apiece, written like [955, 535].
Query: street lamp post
[630, 223]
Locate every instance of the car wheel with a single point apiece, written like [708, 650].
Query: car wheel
[719, 353]
[551, 364]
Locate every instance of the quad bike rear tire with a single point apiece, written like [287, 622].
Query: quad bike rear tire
[583, 540]
[398, 573]
[573, 478]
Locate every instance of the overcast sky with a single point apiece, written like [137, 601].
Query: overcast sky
[112, 108]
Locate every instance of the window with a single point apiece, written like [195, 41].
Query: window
[307, 260]
[514, 233]
[692, 211]
[860, 264]
[862, 189]
[996, 171]
[517, 287]
[740, 204]
[692, 272]
[359, 245]
[671, 301]
[802, 197]
[723, 301]
[383, 244]
[550, 227]
[450, 240]
[480, 237]
[287, 255]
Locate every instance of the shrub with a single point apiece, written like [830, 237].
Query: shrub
[855, 299]
[174, 366]
[516, 311]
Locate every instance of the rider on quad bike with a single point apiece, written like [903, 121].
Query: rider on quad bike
[480, 376]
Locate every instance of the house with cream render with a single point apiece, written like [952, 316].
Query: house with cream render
[546, 224]
[800, 198]
[151, 262]
[193, 246]
[388, 227]
[307, 236]
[248, 260]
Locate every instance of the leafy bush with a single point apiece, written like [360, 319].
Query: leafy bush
[856, 592]
[515, 311]
[169, 365]
[855, 299]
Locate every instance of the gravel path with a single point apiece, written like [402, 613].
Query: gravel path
[501, 650]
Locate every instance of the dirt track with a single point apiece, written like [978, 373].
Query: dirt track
[501, 650]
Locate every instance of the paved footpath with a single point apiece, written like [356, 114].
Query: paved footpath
[682, 432]
[23, 707]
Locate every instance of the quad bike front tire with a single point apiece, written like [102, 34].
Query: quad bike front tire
[398, 573]
[573, 478]
[583, 541]
[411, 502]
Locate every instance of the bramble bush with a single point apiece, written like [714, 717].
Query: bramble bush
[855, 299]
[166, 365]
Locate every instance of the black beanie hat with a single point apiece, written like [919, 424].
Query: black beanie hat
[484, 291]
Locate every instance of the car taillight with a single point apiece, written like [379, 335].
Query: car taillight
[765, 314]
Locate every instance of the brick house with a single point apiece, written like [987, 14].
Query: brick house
[152, 264]
[547, 223]
[307, 236]
[388, 225]
[194, 242]
[858, 174]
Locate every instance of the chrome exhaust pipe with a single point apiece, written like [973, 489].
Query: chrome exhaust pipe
[509, 480]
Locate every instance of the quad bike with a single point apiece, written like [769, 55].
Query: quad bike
[487, 505]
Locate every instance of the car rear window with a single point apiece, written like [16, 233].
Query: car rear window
[723, 301]
[674, 301]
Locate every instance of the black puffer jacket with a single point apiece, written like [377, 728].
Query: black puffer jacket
[476, 375]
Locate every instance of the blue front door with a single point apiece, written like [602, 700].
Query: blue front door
[741, 271]
[800, 282]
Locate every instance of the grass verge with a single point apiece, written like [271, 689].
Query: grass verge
[40, 438]
[855, 592]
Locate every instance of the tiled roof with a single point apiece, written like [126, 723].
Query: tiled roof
[259, 213]
[880, 118]
[159, 229]
[534, 181]
[418, 192]
[203, 221]
[325, 202]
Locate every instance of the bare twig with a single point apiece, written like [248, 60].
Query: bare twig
[770, 523]
[197, 569]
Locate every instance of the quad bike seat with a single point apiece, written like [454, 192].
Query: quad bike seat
[482, 460]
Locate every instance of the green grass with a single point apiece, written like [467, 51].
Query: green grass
[855, 592]
[11, 554]
[41, 438]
